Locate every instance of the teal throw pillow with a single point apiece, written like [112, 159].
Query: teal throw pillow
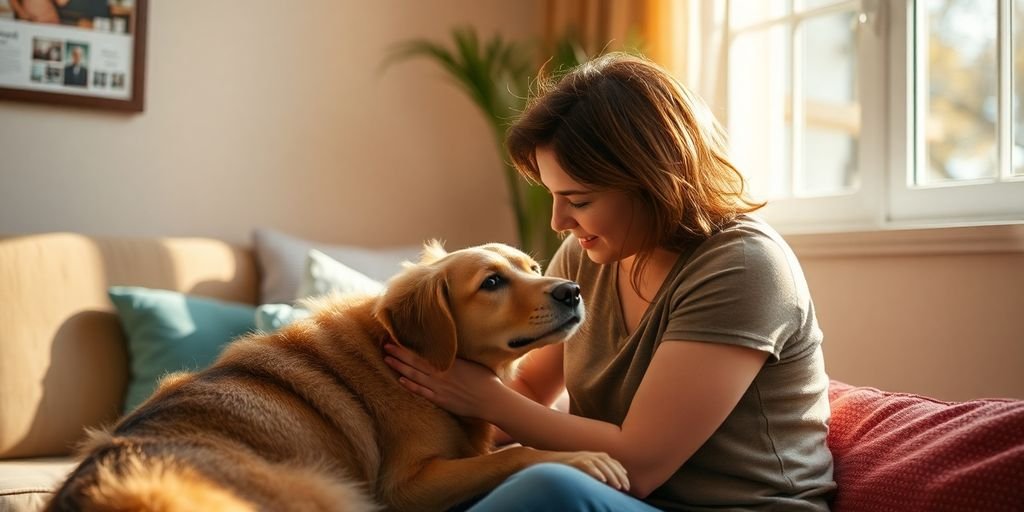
[169, 331]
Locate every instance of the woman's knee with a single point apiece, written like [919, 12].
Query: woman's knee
[556, 487]
[548, 486]
[552, 477]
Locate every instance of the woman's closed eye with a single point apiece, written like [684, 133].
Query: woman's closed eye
[578, 205]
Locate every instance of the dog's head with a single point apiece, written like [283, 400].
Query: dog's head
[489, 304]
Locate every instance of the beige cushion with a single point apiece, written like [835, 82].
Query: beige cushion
[27, 484]
[62, 353]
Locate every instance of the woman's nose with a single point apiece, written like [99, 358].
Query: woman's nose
[559, 220]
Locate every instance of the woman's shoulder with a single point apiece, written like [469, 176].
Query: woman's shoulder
[749, 240]
[747, 227]
[745, 254]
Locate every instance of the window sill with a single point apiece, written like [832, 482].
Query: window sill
[979, 239]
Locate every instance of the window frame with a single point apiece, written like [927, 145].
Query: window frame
[887, 156]
[954, 202]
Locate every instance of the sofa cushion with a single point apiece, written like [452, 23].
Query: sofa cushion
[898, 451]
[63, 363]
[170, 331]
[282, 260]
[324, 275]
[26, 484]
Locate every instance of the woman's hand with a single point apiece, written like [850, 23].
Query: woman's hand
[465, 389]
[600, 466]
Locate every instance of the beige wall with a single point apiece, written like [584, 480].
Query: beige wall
[260, 115]
[938, 312]
[269, 113]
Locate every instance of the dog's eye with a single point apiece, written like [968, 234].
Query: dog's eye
[536, 268]
[493, 282]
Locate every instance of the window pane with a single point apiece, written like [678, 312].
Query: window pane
[831, 116]
[960, 84]
[1018, 87]
[747, 12]
[760, 132]
[806, 5]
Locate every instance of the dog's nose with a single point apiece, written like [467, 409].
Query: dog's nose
[567, 293]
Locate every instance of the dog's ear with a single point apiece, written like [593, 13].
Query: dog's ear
[416, 312]
[433, 250]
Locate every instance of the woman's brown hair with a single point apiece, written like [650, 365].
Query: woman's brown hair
[622, 122]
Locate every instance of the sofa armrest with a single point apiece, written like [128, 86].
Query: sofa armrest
[63, 361]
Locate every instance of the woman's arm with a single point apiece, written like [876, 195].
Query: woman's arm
[688, 391]
[540, 376]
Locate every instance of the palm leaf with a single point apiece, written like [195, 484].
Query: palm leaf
[496, 75]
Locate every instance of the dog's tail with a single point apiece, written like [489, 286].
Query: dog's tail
[160, 487]
[154, 486]
[121, 476]
[137, 483]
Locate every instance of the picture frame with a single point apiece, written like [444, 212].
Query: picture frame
[87, 53]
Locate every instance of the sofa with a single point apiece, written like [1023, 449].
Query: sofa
[65, 365]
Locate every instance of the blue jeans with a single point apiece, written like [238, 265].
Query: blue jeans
[557, 487]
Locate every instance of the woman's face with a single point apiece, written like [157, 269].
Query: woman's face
[607, 223]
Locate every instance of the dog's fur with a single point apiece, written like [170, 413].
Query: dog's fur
[311, 418]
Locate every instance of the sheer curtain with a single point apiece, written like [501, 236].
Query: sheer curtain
[687, 37]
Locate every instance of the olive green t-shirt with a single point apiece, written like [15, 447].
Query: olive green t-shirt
[742, 286]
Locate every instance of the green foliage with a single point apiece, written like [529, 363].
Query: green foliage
[496, 74]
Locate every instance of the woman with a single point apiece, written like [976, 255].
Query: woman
[700, 367]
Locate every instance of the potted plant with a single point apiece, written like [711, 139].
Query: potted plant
[496, 74]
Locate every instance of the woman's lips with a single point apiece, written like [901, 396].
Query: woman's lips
[587, 242]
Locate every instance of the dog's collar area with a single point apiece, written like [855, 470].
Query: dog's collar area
[388, 338]
[522, 342]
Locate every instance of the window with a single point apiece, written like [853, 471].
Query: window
[866, 113]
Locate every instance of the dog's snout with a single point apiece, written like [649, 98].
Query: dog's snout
[567, 293]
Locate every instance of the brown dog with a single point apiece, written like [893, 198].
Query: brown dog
[311, 418]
